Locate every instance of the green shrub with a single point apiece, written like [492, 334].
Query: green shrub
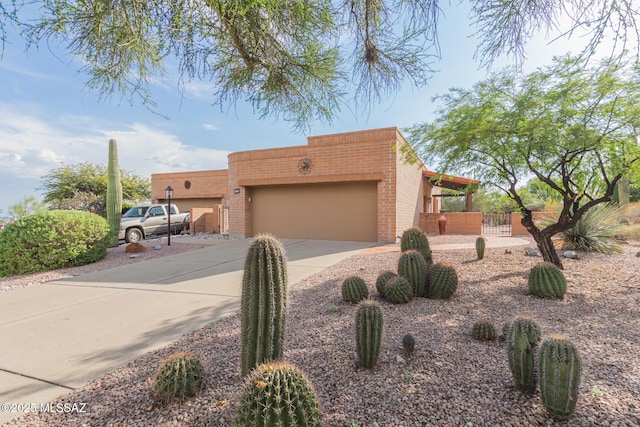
[594, 232]
[52, 239]
[180, 375]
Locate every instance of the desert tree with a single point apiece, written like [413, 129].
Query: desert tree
[572, 126]
[299, 60]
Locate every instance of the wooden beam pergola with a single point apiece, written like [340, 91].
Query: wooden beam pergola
[455, 183]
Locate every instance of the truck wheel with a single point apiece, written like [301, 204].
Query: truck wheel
[133, 235]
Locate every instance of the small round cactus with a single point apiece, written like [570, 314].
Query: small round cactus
[443, 281]
[408, 344]
[278, 393]
[506, 328]
[484, 330]
[354, 289]
[399, 290]
[547, 281]
[180, 375]
[381, 281]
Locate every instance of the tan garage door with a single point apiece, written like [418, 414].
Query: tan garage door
[336, 211]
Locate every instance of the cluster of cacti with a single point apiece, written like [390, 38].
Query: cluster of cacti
[354, 289]
[484, 330]
[381, 281]
[443, 281]
[480, 246]
[398, 290]
[547, 281]
[369, 324]
[114, 193]
[263, 302]
[524, 337]
[559, 369]
[180, 375]
[413, 266]
[414, 238]
[278, 394]
[408, 344]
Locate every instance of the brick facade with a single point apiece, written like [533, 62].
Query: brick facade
[377, 156]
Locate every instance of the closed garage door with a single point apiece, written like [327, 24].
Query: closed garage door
[336, 211]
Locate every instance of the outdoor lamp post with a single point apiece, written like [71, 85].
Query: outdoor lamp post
[168, 193]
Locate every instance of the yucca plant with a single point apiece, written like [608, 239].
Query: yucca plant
[594, 232]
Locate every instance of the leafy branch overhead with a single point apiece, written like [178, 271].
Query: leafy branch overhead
[295, 60]
[571, 126]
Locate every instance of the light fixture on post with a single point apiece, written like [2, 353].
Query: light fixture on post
[168, 194]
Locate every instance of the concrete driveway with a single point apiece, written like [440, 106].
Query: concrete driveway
[60, 335]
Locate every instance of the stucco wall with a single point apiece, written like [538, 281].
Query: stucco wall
[409, 187]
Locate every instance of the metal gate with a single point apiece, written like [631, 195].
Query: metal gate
[496, 223]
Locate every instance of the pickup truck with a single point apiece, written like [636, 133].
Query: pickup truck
[141, 221]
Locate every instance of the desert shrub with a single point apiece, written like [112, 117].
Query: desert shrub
[594, 232]
[52, 239]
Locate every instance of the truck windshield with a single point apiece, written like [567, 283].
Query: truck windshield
[135, 212]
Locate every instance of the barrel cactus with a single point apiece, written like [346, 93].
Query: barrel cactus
[278, 394]
[481, 243]
[559, 368]
[413, 266]
[547, 281]
[114, 193]
[180, 375]
[484, 330]
[354, 289]
[381, 281]
[524, 338]
[443, 281]
[408, 344]
[414, 238]
[398, 290]
[369, 323]
[263, 302]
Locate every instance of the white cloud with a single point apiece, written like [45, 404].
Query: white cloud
[31, 144]
[209, 126]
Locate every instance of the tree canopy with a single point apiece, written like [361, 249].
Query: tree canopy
[83, 186]
[572, 126]
[299, 60]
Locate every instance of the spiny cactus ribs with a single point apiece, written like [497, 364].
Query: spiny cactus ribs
[414, 238]
[263, 302]
[559, 368]
[483, 330]
[547, 281]
[278, 394]
[413, 266]
[443, 281]
[408, 344]
[180, 375]
[398, 290]
[354, 289]
[381, 281]
[369, 325]
[524, 338]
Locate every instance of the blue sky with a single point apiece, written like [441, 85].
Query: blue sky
[48, 117]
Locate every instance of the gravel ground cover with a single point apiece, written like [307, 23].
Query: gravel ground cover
[451, 380]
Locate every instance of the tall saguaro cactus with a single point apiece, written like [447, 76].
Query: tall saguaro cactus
[114, 193]
[263, 303]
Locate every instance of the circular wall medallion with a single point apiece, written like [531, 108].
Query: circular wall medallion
[187, 184]
[304, 165]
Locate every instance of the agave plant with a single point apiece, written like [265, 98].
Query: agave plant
[594, 232]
